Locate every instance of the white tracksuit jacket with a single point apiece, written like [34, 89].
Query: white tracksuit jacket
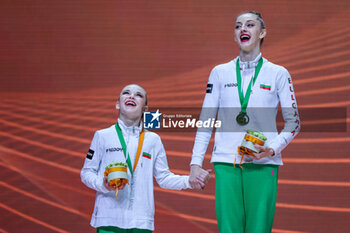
[273, 86]
[135, 206]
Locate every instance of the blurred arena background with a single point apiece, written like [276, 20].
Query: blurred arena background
[62, 64]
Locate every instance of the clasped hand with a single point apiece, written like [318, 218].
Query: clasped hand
[199, 177]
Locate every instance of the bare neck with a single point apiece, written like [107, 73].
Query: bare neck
[129, 122]
[249, 56]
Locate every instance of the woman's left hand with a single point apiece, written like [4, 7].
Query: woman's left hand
[264, 152]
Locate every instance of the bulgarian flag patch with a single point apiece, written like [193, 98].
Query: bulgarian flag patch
[265, 87]
[146, 155]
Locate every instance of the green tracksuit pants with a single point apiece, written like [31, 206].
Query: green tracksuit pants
[111, 229]
[245, 198]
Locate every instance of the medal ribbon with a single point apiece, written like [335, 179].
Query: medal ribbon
[254, 140]
[139, 147]
[244, 99]
[116, 169]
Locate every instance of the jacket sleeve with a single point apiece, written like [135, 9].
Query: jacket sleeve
[164, 177]
[90, 173]
[289, 109]
[209, 110]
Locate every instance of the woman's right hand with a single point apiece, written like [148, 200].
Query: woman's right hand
[122, 186]
[105, 183]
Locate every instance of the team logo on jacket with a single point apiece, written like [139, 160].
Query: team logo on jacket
[114, 149]
[90, 154]
[230, 85]
[151, 120]
[209, 88]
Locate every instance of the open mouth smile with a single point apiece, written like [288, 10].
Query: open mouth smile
[130, 103]
[244, 37]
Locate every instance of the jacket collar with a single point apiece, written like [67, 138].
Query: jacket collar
[130, 129]
[249, 64]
